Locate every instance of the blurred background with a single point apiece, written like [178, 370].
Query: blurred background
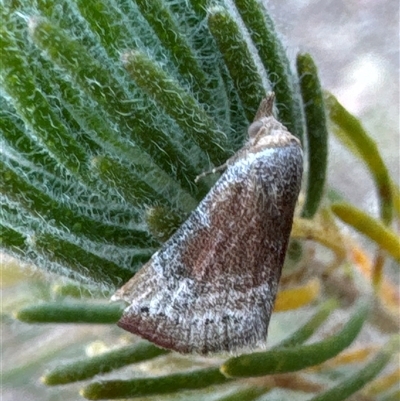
[356, 47]
[355, 44]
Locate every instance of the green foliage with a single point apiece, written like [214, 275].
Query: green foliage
[351, 132]
[317, 132]
[291, 359]
[108, 112]
[70, 313]
[87, 368]
[114, 389]
[361, 378]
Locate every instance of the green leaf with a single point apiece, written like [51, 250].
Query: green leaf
[238, 59]
[179, 104]
[200, 7]
[306, 331]
[40, 205]
[110, 25]
[105, 87]
[12, 241]
[59, 312]
[115, 389]
[359, 379]
[317, 133]
[83, 265]
[372, 228]
[14, 134]
[106, 362]
[165, 27]
[162, 223]
[299, 357]
[351, 132]
[79, 291]
[36, 111]
[275, 60]
[133, 186]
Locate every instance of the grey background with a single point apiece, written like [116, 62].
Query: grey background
[355, 44]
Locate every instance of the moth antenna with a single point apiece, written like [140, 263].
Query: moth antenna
[220, 168]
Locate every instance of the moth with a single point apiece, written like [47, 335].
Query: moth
[212, 286]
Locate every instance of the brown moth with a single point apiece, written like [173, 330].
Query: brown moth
[212, 286]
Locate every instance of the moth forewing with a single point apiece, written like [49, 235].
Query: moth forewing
[212, 285]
